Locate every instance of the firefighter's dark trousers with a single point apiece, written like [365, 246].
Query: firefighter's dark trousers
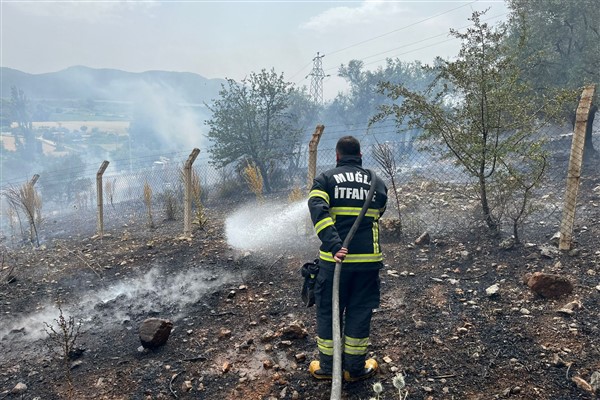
[359, 295]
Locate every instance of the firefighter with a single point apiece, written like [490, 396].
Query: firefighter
[335, 200]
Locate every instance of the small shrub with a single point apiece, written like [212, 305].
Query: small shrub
[199, 214]
[27, 200]
[148, 203]
[170, 204]
[62, 342]
[254, 180]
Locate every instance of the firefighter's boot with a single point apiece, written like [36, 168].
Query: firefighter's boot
[315, 370]
[368, 371]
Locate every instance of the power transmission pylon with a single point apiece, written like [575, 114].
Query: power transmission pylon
[316, 83]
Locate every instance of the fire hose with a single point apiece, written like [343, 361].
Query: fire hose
[336, 383]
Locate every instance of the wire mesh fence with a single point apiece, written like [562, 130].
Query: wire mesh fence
[427, 191]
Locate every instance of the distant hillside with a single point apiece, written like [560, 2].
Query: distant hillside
[110, 84]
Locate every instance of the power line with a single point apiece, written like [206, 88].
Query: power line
[399, 29]
[413, 43]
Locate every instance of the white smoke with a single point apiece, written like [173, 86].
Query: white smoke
[155, 291]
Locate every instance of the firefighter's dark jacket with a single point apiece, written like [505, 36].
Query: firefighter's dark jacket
[335, 200]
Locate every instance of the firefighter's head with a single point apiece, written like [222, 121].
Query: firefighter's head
[347, 146]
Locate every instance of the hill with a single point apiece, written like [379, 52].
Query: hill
[81, 82]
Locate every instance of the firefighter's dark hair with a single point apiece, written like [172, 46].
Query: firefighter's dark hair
[348, 146]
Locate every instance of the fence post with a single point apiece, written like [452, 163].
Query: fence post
[31, 213]
[187, 193]
[100, 198]
[574, 172]
[34, 179]
[312, 154]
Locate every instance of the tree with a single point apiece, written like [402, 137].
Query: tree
[355, 108]
[5, 118]
[20, 114]
[63, 178]
[560, 46]
[257, 120]
[483, 115]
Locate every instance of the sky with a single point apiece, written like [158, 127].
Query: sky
[231, 39]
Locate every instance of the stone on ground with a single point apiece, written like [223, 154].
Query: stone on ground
[550, 286]
[154, 332]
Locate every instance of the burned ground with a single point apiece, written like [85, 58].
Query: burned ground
[241, 332]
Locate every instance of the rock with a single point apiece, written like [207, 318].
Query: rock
[295, 330]
[154, 332]
[507, 244]
[557, 361]
[268, 364]
[555, 239]
[550, 286]
[582, 384]
[423, 240]
[492, 290]
[268, 336]
[295, 395]
[598, 288]
[595, 382]
[524, 311]
[574, 252]
[224, 333]
[226, 367]
[570, 308]
[300, 357]
[186, 386]
[548, 251]
[387, 359]
[19, 388]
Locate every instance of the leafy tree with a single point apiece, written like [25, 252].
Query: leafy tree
[63, 178]
[5, 118]
[355, 108]
[483, 114]
[257, 120]
[20, 114]
[560, 48]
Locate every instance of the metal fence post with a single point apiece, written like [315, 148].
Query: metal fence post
[187, 194]
[574, 172]
[100, 197]
[312, 154]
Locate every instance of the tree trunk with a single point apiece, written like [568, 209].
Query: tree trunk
[485, 206]
[265, 177]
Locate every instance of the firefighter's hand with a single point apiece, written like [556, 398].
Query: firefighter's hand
[340, 255]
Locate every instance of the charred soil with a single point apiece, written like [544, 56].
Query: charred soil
[241, 331]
